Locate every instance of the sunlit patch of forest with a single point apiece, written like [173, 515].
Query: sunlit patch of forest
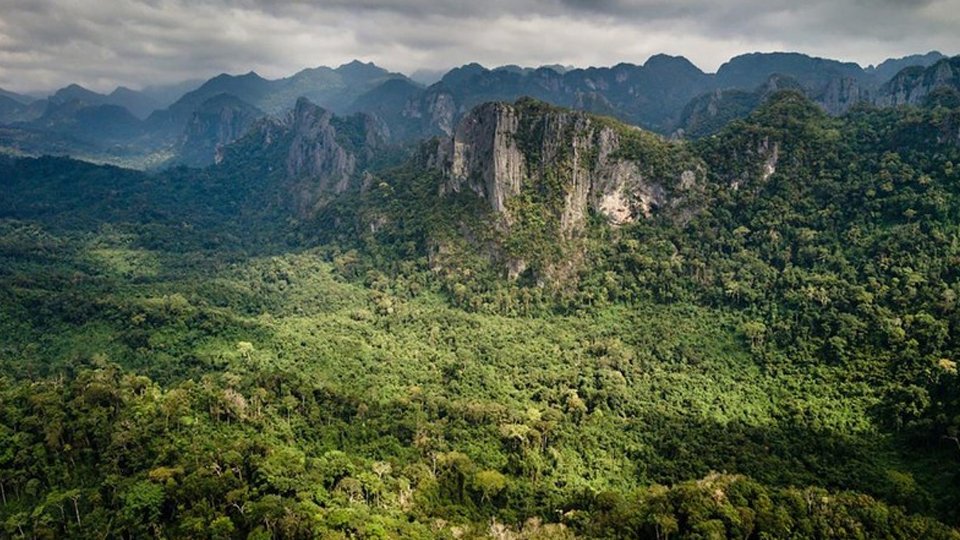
[180, 360]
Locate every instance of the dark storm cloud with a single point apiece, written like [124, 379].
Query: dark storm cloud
[102, 43]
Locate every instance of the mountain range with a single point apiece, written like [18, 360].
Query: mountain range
[668, 95]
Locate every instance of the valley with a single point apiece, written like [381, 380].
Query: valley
[540, 323]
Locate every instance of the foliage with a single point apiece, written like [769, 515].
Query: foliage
[182, 360]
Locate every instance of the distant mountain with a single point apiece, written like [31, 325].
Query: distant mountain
[835, 88]
[19, 98]
[90, 122]
[427, 77]
[665, 94]
[75, 92]
[334, 89]
[78, 122]
[887, 69]
[219, 120]
[559, 68]
[655, 95]
[138, 103]
[166, 94]
[707, 114]
[388, 102]
[752, 70]
[651, 95]
[315, 154]
[250, 88]
[11, 110]
[914, 85]
[195, 125]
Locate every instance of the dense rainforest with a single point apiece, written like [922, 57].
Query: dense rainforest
[773, 357]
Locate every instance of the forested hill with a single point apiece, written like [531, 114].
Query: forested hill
[546, 325]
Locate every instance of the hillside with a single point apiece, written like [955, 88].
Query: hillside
[547, 324]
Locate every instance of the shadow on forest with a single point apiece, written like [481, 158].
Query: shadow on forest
[791, 453]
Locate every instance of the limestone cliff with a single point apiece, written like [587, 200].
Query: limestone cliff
[220, 120]
[913, 86]
[573, 163]
[840, 94]
[319, 154]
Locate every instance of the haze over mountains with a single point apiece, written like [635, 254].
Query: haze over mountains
[668, 95]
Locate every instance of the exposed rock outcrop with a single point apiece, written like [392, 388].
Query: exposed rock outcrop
[321, 155]
[575, 163]
[765, 156]
[220, 120]
[840, 94]
[912, 86]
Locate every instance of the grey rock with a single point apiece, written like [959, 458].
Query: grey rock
[487, 155]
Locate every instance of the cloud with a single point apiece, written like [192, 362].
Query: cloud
[45, 44]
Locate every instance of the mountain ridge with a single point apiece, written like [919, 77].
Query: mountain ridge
[655, 95]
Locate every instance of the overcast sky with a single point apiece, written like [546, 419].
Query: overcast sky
[45, 44]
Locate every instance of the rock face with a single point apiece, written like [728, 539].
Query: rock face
[219, 121]
[913, 86]
[315, 153]
[321, 155]
[575, 163]
[484, 156]
[764, 156]
[840, 94]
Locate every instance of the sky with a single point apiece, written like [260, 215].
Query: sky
[101, 44]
